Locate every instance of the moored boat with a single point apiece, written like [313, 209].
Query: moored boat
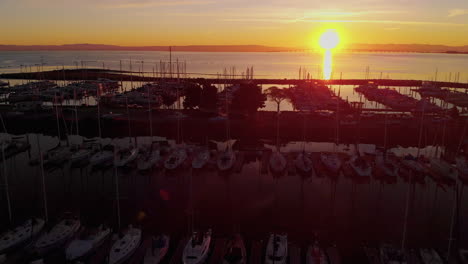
[176, 158]
[89, 241]
[125, 157]
[226, 160]
[360, 167]
[235, 252]
[277, 162]
[331, 162]
[197, 248]
[21, 234]
[157, 250]
[58, 235]
[316, 255]
[201, 158]
[303, 163]
[124, 247]
[277, 249]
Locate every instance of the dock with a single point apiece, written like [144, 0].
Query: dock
[177, 257]
[218, 251]
[256, 253]
[294, 254]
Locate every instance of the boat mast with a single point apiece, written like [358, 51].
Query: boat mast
[76, 112]
[117, 193]
[99, 109]
[5, 177]
[44, 194]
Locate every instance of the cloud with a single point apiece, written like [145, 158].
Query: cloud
[156, 3]
[457, 12]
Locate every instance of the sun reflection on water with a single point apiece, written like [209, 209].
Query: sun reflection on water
[327, 67]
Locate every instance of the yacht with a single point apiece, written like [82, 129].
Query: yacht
[89, 241]
[235, 252]
[303, 163]
[316, 255]
[430, 256]
[277, 249]
[226, 160]
[331, 161]
[201, 158]
[176, 158]
[391, 255]
[360, 167]
[58, 235]
[21, 234]
[277, 162]
[197, 248]
[157, 250]
[124, 247]
[126, 156]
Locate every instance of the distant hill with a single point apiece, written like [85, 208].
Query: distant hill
[241, 48]
[196, 48]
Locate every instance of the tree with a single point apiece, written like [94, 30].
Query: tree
[248, 99]
[192, 96]
[209, 98]
[276, 95]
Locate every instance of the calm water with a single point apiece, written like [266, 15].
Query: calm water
[340, 211]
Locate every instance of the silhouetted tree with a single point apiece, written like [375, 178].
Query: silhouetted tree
[209, 98]
[193, 93]
[276, 95]
[248, 99]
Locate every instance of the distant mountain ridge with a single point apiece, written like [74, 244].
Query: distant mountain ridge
[238, 48]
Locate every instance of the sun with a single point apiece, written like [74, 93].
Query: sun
[329, 39]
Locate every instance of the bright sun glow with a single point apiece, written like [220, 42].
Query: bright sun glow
[329, 39]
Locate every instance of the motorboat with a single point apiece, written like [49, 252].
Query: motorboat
[391, 255]
[235, 252]
[59, 234]
[331, 162]
[20, 234]
[277, 162]
[360, 166]
[277, 249]
[157, 250]
[303, 163]
[226, 160]
[89, 241]
[430, 256]
[201, 158]
[197, 248]
[124, 247]
[148, 159]
[124, 157]
[316, 255]
[176, 158]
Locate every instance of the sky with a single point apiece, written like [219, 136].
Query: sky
[281, 23]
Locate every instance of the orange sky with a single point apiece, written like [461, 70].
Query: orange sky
[292, 23]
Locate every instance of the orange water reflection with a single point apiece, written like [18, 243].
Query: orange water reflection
[327, 67]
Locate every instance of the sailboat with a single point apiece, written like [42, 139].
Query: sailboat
[384, 167]
[235, 252]
[441, 170]
[148, 159]
[125, 246]
[277, 249]
[303, 163]
[16, 237]
[360, 167]
[331, 161]
[316, 255]
[176, 158]
[89, 241]
[126, 156]
[430, 256]
[277, 162]
[59, 234]
[157, 250]
[57, 156]
[101, 157]
[226, 159]
[201, 158]
[197, 248]
[391, 255]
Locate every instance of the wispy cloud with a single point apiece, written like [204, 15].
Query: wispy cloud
[156, 3]
[458, 12]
